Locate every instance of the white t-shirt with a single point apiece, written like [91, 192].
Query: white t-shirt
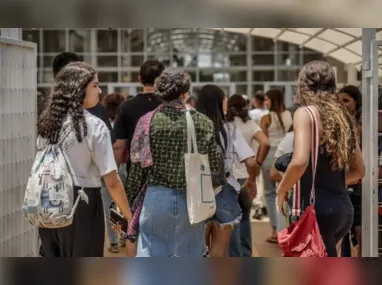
[257, 114]
[237, 148]
[275, 132]
[93, 157]
[248, 130]
[285, 146]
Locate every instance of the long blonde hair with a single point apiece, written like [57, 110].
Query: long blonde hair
[317, 87]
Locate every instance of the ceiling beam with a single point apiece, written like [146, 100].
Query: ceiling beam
[279, 34]
[315, 35]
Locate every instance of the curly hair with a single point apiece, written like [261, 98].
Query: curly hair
[111, 103]
[67, 97]
[317, 87]
[237, 107]
[172, 83]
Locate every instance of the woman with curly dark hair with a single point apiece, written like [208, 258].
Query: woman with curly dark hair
[87, 147]
[339, 161]
[351, 98]
[158, 149]
[241, 239]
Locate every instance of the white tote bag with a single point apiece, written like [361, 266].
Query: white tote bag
[200, 195]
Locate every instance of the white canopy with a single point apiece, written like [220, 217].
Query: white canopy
[343, 44]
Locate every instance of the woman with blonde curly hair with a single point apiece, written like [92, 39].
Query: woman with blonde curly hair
[339, 159]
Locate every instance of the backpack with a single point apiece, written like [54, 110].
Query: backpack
[219, 177]
[49, 197]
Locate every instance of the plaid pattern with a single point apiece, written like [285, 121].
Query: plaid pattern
[168, 143]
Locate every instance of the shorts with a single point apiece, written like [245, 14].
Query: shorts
[228, 210]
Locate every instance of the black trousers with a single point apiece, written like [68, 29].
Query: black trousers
[85, 237]
[333, 228]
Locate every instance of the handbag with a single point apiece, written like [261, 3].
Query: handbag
[201, 203]
[302, 238]
[282, 163]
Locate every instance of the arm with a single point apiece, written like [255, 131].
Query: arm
[118, 149]
[102, 154]
[117, 192]
[357, 169]
[253, 170]
[264, 146]
[274, 175]
[121, 127]
[301, 151]
[245, 155]
[265, 123]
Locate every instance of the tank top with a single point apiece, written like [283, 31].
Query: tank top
[275, 131]
[331, 192]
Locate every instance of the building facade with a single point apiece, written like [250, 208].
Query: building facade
[238, 63]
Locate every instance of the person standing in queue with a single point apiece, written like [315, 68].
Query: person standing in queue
[128, 115]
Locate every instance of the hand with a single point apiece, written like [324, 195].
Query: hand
[281, 197]
[117, 228]
[257, 169]
[251, 187]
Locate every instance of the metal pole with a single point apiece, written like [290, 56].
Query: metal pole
[249, 69]
[369, 225]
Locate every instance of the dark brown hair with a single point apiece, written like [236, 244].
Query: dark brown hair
[111, 103]
[277, 104]
[237, 107]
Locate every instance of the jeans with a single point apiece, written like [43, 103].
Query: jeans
[112, 235]
[270, 187]
[164, 226]
[241, 238]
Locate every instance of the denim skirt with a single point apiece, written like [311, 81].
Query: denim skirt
[164, 226]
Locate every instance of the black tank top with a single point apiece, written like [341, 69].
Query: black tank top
[331, 192]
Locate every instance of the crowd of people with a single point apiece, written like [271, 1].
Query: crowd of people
[126, 149]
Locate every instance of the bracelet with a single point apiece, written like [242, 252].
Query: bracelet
[260, 164]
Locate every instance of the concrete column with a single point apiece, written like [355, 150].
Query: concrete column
[369, 147]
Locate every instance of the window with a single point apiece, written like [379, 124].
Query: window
[238, 59]
[54, 41]
[240, 89]
[132, 76]
[79, 40]
[288, 75]
[266, 75]
[263, 59]
[107, 40]
[107, 61]
[158, 41]
[108, 77]
[132, 41]
[32, 36]
[262, 44]
[238, 76]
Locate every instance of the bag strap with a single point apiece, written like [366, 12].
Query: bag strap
[296, 208]
[191, 136]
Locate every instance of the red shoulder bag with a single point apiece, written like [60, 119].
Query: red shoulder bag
[302, 238]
